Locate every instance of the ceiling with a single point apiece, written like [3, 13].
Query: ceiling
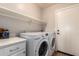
[44, 5]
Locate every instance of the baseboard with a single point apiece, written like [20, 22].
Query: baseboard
[65, 53]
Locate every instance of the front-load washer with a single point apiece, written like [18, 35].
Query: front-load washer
[37, 44]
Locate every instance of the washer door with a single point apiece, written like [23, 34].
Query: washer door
[42, 48]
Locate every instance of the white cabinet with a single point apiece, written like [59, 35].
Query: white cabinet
[20, 53]
[13, 49]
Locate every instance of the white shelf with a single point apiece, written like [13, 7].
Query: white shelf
[10, 13]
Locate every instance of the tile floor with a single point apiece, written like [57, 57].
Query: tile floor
[56, 53]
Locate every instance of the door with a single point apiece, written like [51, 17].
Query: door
[67, 29]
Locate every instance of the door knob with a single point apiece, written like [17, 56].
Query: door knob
[58, 33]
[58, 30]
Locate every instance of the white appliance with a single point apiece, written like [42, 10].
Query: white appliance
[51, 38]
[37, 44]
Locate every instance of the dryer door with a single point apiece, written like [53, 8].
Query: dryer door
[52, 43]
[42, 48]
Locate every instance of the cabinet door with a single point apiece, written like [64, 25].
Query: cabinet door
[67, 28]
[20, 53]
[9, 50]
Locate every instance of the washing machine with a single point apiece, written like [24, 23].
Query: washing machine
[51, 38]
[37, 44]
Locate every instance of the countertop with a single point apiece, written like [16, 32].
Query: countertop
[10, 41]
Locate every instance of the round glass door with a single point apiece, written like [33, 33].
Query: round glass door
[43, 49]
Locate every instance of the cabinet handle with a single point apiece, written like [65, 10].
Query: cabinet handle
[14, 49]
[24, 52]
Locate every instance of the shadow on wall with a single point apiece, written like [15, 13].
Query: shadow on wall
[17, 26]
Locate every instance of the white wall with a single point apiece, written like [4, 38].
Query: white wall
[25, 9]
[49, 16]
[16, 26]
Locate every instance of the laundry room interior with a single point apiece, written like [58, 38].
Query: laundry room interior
[39, 29]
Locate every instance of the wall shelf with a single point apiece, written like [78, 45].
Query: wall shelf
[10, 13]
